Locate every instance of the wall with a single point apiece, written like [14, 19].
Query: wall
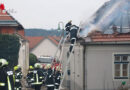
[46, 47]
[99, 66]
[74, 81]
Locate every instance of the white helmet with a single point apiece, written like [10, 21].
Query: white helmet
[48, 66]
[3, 62]
[37, 65]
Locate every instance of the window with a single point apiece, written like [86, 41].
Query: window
[121, 63]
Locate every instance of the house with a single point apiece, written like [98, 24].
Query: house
[101, 59]
[43, 46]
[9, 25]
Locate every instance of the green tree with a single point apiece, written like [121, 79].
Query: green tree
[32, 59]
[9, 48]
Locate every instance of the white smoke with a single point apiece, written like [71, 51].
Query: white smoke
[111, 13]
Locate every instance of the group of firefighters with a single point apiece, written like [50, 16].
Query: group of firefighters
[47, 76]
[36, 77]
[10, 79]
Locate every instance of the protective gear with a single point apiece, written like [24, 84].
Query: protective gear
[57, 78]
[31, 67]
[6, 76]
[38, 78]
[67, 27]
[48, 66]
[3, 62]
[18, 77]
[50, 80]
[73, 36]
[30, 78]
[37, 65]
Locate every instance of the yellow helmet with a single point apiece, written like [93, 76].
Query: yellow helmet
[31, 67]
[15, 68]
[3, 62]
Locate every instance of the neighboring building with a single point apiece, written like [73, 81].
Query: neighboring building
[43, 46]
[8, 25]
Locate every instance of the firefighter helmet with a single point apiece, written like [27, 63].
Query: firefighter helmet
[3, 62]
[37, 65]
[15, 68]
[48, 66]
[57, 68]
[31, 67]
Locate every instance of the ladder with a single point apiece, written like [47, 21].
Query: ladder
[68, 60]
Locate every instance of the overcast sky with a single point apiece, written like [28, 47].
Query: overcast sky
[47, 13]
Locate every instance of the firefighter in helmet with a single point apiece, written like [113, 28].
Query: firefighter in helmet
[73, 36]
[49, 78]
[18, 77]
[38, 77]
[29, 77]
[67, 27]
[6, 76]
[57, 78]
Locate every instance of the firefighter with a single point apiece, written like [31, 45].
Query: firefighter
[18, 77]
[30, 78]
[38, 77]
[49, 78]
[73, 36]
[57, 78]
[67, 27]
[6, 76]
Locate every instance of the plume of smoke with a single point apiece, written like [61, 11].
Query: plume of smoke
[103, 19]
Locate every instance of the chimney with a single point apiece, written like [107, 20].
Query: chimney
[114, 27]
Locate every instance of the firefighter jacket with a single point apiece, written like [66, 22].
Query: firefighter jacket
[67, 26]
[37, 76]
[57, 78]
[30, 76]
[6, 79]
[50, 78]
[18, 77]
[73, 31]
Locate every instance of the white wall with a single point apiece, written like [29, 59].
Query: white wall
[99, 66]
[46, 47]
[23, 60]
[75, 80]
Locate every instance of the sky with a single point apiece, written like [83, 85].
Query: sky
[46, 14]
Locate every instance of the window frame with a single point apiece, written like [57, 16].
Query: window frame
[121, 62]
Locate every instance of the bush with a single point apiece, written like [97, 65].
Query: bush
[32, 59]
[9, 48]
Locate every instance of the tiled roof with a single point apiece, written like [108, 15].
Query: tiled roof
[7, 20]
[54, 39]
[115, 37]
[34, 41]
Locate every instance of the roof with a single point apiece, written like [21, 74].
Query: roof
[54, 39]
[7, 20]
[97, 36]
[35, 41]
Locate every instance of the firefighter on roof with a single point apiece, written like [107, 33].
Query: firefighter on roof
[67, 27]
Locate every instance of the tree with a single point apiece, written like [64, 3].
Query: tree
[32, 59]
[9, 48]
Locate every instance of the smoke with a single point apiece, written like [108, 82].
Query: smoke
[105, 16]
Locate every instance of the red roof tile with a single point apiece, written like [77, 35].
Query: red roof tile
[34, 41]
[53, 40]
[109, 37]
